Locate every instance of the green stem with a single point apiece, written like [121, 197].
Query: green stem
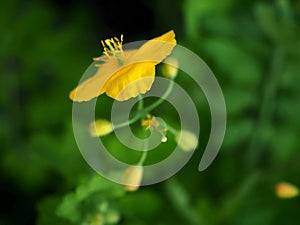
[144, 154]
[162, 99]
[139, 115]
[180, 200]
[142, 112]
[172, 130]
[141, 103]
[131, 121]
[267, 109]
[143, 158]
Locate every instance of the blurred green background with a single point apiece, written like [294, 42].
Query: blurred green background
[253, 48]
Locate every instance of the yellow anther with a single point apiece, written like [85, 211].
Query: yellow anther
[113, 46]
[151, 123]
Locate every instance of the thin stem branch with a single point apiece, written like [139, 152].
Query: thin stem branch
[162, 98]
[141, 103]
[172, 130]
[143, 157]
[131, 121]
[144, 154]
[143, 111]
[180, 200]
[267, 108]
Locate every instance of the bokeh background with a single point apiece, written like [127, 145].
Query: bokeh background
[253, 48]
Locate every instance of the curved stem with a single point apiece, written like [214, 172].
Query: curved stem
[162, 99]
[143, 158]
[141, 103]
[131, 121]
[139, 115]
[172, 130]
[143, 111]
[180, 200]
[144, 154]
[268, 105]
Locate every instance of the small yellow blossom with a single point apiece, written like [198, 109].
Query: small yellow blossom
[286, 190]
[170, 71]
[186, 140]
[95, 220]
[112, 217]
[152, 124]
[100, 128]
[120, 68]
[132, 178]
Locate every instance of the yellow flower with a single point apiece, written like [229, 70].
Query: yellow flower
[152, 124]
[121, 67]
[170, 71]
[186, 140]
[132, 178]
[100, 128]
[286, 190]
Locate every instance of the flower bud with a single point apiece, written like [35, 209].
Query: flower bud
[112, 217]
[286, 190]
[170, 68]
[95, 220]
[132, 178]
[186, 140]
[100, 128]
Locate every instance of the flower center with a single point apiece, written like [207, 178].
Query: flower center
[113, 48]
[152, 124]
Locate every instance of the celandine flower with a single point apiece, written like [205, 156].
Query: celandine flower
[120, 68]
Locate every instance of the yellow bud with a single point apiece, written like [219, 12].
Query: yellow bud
[286, 190]
[112, 217]
[95, 220]
[186, 140]
[170, 71]
[132, 178]
[100, 128]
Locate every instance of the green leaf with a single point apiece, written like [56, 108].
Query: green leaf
[69, 208]
[76, 205]
[238, 132]
[140, 204]
[46, 212]
[266, 18]
[234, 62]
[239, 100]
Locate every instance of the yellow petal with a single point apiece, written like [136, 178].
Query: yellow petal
[157, 49]
[130, 81]
[113, 78]
[93, 87]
